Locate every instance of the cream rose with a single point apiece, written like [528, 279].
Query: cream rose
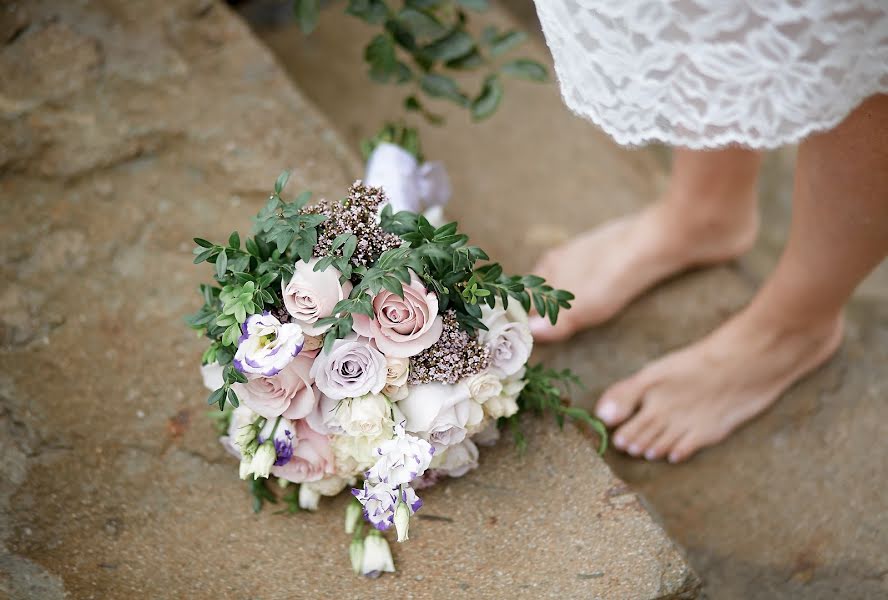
[367, 415]
[484, 386]
[457, 460]
[311, 295]
[506, 404]
[402, 327]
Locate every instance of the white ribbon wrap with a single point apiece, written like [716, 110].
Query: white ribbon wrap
[408, 185]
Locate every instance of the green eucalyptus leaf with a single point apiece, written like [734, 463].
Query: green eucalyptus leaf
[504, 42]
[524, 68]
[307, 16]
[488, 100]
[455, 44]
[441, 86]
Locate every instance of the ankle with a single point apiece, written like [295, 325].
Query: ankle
[718, 229]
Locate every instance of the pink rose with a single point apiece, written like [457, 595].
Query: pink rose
[311, 295]
[403, 327]
[289, 393]
[312, 458]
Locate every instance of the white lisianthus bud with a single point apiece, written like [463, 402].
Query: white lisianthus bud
[244, 439]
[263, 459]
[352, 516]
[356, 554]
[246, 468]
[402, 521]
[309, 498]
[377, 557]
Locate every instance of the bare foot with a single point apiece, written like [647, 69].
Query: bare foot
[607, 267]
[696, 396]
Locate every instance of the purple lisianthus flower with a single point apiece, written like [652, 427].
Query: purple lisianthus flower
[267, 345]
[283, 449]
[379, 500]
[401, 459]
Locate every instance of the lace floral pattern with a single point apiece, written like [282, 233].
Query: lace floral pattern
[708, 73]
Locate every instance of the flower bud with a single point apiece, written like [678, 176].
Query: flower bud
[356, 554]
[377, 557]
[246, 435]
[352, 516]
[402, 521]
[308, 498]
[263, 459]
[246, 468]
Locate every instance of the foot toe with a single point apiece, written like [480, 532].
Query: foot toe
[631, 434]
[664, 442]
[619, 401]
[544, 332]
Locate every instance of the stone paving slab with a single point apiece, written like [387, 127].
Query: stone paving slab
[129, 127]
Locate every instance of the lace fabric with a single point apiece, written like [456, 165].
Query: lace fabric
[710, 73]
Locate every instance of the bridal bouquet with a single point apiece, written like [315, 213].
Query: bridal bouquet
[352, 347]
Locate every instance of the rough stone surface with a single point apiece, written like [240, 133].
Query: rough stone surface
[793, 505]
[127, 128]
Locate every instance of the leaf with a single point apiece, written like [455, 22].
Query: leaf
[441, 86]
[283, 177]
[372, 11]
[467, 62]
[421, 23]
[504, 42]
[394, 286]
[524, 68]
[234, 241]
[221, 265]
[476, 5]
[455, 44]
[380, 55]
[232, 398]
[307, 17]
[301, 200]
[488, 100]
[203, 243]
[216, 396]
[204, 255]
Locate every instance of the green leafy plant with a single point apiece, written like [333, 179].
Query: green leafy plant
[548, 390]
[428, 46]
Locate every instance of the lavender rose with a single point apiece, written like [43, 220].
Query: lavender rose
[508, 336]
[267, 346]
[402, 327]
[352, 368]
[311, 295]
[289, 393]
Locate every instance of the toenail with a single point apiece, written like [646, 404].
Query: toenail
[607, 410]
[650, 454]
[634, 450]
[674, 458]
[620, 442]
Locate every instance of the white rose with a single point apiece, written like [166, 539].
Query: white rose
[352, 368]
[484, 386]
[506, 404]
[508, 336]
[353, 455]
[441, 412]
[488, 435]
[457, 460]
[366, 416]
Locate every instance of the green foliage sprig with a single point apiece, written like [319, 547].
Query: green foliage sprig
[424, 44]
[547, 390]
